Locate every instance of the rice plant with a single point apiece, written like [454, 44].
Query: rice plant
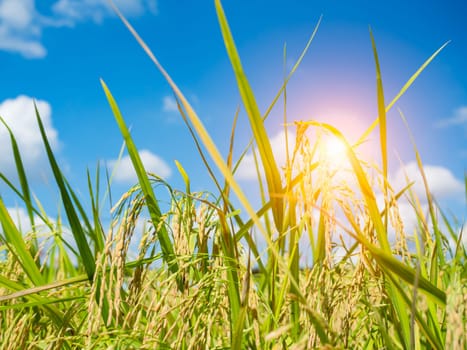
[194, 274]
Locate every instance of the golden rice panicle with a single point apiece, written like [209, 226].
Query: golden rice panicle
[118, 258]
[180, 243]
[93, 310]
[203, 233]
[163, 298]
[16, 336]
[456, 313]
[140, 282]
[396, 225]
[94, 306]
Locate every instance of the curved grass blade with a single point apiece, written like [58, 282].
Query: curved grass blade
[21, 174]
[186, 178]
[271, 170]
[15, 242]
[382, 124]
[402, 91]
[294, 68]
[198, 147]
[98, 230]
[73, 219]
[226, 189]
[21, 292]
[150, 197]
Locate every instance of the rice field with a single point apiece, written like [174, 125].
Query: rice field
[212, 271]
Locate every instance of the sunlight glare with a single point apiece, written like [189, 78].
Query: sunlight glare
[334, 150]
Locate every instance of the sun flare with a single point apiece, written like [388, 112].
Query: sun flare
[333, 150]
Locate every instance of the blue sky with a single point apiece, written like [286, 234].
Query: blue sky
[55, 51]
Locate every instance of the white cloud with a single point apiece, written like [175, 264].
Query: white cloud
[246, 169]
[97, 10]
[152, 163]
[17, 14]
[27, 48]
[169, 104]
[20, 28]
[442, 184]
[21, 25]
[459, 118]
[408, 215]
[441, 181]
[21, 220]
[20, 116]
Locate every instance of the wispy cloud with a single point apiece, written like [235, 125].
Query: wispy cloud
[20, 116]
[124, 172]
[97, 10]
[21, 25]
[458, 118]
[169, 104]
[21, 28]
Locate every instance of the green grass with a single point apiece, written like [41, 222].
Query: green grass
[200, 279]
